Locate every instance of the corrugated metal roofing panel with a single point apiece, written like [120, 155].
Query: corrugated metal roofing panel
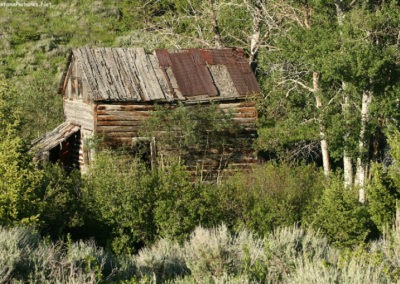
[193, 79]
[163, 57]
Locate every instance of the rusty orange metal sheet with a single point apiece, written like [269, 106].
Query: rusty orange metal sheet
[193, 78]
[190, 70]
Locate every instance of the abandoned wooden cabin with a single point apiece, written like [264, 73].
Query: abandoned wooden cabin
[109, 92]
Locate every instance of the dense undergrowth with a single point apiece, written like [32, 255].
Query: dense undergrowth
[215, 255]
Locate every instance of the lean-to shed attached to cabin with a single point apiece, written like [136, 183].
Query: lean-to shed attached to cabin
[109, 92]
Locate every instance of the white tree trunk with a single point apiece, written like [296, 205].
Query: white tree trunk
[363, 147]
[347, 169]
[322, 129]
[347, 160]
[254, 40]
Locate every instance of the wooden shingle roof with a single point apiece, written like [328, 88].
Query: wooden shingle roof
[53, 138]
[131, 74]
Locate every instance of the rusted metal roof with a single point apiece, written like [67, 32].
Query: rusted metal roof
[130, 74]
[193, 76]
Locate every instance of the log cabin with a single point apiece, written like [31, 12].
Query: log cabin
[108, 93]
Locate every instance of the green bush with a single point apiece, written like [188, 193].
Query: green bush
[18, 177]
[138, 205]
[340, 216]
[60, 201]
[182, 204]
[270, 196]
[382, 197]
[119, 193]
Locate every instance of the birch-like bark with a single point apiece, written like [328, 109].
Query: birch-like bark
[347, 160]
[254, 41]
[318, 103]
[322, 129]
[363, 146]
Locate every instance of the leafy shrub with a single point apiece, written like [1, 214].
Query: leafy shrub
[270, 196]
[18, 177]
[382, 196]
[340, 216]
[119, 192]
[60, 200]
[181, 204]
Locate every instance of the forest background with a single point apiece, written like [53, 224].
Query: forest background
[328, 127]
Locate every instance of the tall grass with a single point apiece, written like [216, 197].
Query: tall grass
[26, 258]
[288, 255]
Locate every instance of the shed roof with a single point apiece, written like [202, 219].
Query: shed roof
[131, 74]
[53, 138]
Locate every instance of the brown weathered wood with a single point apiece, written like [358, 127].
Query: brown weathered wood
[119, 128]
[123, 112]
[117, 141]
[223, 81]
[147, 77]
[123, 116]
[105, 123]
[124, 67]
[161, 77]
[79, 113]
[130, 107]
[174, 84]
[121, 134]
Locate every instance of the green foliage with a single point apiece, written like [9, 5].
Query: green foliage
[384, 189]
[41, 112]
[119, 193]
[138, 205]
[60, 200]
[340, 217]
[394, 169]
[382, 198]
[270, 196]
[18, 177]
[183, 131]
[181, 205]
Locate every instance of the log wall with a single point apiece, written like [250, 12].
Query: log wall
[80, 113]
[117, 124]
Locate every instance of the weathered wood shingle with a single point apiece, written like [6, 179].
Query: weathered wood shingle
[132, 75]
